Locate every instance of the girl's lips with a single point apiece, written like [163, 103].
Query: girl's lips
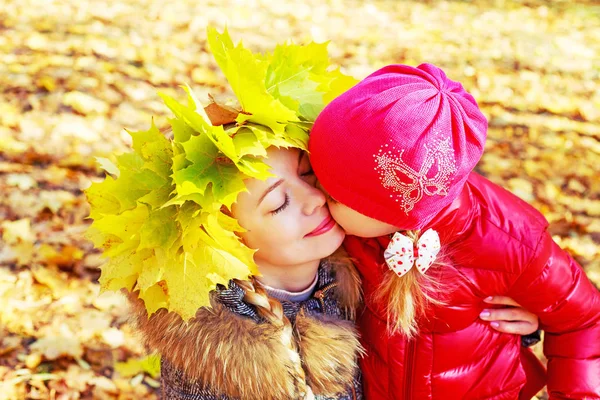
[325, 226]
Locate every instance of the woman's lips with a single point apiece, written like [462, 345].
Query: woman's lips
[325, 226]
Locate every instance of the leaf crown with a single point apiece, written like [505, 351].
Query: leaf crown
[159, 214]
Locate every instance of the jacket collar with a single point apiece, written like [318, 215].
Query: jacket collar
[224, 350]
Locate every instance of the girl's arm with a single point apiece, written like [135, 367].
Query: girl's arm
[556, 288]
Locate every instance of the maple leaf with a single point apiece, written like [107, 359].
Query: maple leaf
[155, 149]
[149, 364]
[212, 254]
[119, 233]
[223, 177]
[299, 77]
[220, 114]
[247, 144]
[156, 297]
[118, 273]
[213, 157]
[102, 197]
[201, 124]
[246, 73]
[108, 165]
[143, 176]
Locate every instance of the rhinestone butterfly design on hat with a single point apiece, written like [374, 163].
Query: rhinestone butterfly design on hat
[408, 184]
[402, 253]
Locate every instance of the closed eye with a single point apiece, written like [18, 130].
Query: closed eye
[279, 209]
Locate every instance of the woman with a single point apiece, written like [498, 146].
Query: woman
[285, 333]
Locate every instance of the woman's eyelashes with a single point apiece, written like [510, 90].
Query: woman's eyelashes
[307, 174]
[279, 209]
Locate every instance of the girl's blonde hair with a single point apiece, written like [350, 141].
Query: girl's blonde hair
[407, 297]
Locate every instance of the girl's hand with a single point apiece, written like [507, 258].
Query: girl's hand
[511, 319]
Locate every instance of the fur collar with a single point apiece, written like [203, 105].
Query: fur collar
[234, 355]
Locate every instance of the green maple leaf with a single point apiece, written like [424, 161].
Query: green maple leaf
[134, 182]
[206, 170]
[246, 73]
[222, 140]
[289, 74]
[247, 144]
[155, 149]
[214, 160]
[159, 230]
[181, 131]
[300, 78]
[142, 176]
[200, 125]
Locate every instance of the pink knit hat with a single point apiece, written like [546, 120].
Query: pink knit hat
[398, 146]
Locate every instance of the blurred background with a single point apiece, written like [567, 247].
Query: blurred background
[74, 73]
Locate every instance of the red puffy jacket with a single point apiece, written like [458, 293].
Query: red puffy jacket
[498, 245]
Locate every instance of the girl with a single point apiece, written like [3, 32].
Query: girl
[396, 152]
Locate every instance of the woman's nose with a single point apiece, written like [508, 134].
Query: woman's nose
[313, 199]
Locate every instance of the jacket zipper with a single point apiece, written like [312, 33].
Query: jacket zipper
[408, 368]
[320, 294]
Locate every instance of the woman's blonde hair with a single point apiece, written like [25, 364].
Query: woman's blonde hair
[271, 310]
[407, 297]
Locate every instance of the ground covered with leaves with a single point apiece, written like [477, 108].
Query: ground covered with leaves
[73, 74]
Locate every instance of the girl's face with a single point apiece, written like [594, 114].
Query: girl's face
[357, 224]
[286, 217]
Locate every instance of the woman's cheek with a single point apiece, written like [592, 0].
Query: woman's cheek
[288, 228]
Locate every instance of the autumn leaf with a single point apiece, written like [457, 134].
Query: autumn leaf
[149, 364]
[246, 75]
[299, 77]
[220, 114]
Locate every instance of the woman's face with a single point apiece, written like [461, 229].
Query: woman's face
[286, 217]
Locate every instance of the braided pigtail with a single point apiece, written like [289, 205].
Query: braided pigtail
[272, 311]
